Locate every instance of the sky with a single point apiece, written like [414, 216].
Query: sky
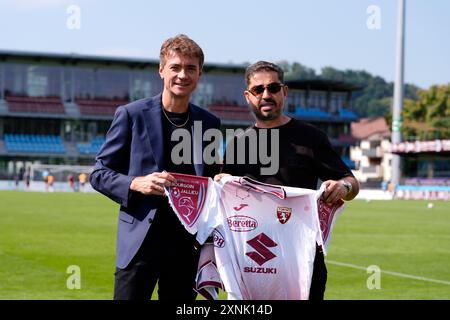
[345, 34]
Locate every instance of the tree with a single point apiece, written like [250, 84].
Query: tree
[331, 73]
[297, 71]
[429, 116]
[375, 98]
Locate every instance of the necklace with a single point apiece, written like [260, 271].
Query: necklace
[174, 124]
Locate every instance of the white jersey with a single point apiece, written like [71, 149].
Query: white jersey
[264, 236]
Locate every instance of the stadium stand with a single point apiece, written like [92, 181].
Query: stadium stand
[231, 112]
[347, 114]
[91, 148]
[51, 105]
[35, 104]
[312, 112]
[34, 143]
[103, 107]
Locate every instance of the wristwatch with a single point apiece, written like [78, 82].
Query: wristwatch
[347, 186]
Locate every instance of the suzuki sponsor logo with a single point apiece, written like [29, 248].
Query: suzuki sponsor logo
[218, 239]
[242, 223]
[262, 254]
[260, 270]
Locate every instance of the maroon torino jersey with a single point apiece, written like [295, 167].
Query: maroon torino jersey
[264, 236]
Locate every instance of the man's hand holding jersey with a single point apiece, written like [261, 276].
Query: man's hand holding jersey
[153, 183]
[346, 189]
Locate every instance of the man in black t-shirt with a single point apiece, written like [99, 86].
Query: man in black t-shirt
[304, 153]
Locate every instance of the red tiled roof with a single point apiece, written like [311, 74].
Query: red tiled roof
[367, 127]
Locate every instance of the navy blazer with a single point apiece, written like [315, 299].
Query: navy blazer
[134, 147]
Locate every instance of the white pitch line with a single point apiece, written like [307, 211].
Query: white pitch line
[397, 274]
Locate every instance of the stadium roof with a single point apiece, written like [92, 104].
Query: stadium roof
[322, 84]
[75, 58]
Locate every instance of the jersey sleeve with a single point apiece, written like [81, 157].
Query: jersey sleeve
[328, 214]
[210, 216]
[208, 278]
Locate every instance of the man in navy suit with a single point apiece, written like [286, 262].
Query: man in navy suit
[131, 169]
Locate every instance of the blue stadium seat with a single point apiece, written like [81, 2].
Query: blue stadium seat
[312, 112]
[347, 114]
[91, 148]
[34, 143]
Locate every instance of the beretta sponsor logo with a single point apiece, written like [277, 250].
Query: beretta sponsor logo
[241, 223]
[218, 239]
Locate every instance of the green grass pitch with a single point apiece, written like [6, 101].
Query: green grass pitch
[42, 234]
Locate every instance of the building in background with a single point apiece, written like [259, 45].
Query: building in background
[55, 109]
[372, 153]
[426, 169]
[327, 104]
[425, 164]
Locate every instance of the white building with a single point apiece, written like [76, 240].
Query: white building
[372, 152]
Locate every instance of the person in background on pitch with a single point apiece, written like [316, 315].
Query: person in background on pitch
[82, 177]
[305, 152]
[71, 181]
[131, 169]
[27, 178]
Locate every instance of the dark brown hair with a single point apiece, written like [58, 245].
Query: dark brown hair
[263, 66]
[183, 45]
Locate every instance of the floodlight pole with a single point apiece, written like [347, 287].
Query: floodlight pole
[398, 91]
